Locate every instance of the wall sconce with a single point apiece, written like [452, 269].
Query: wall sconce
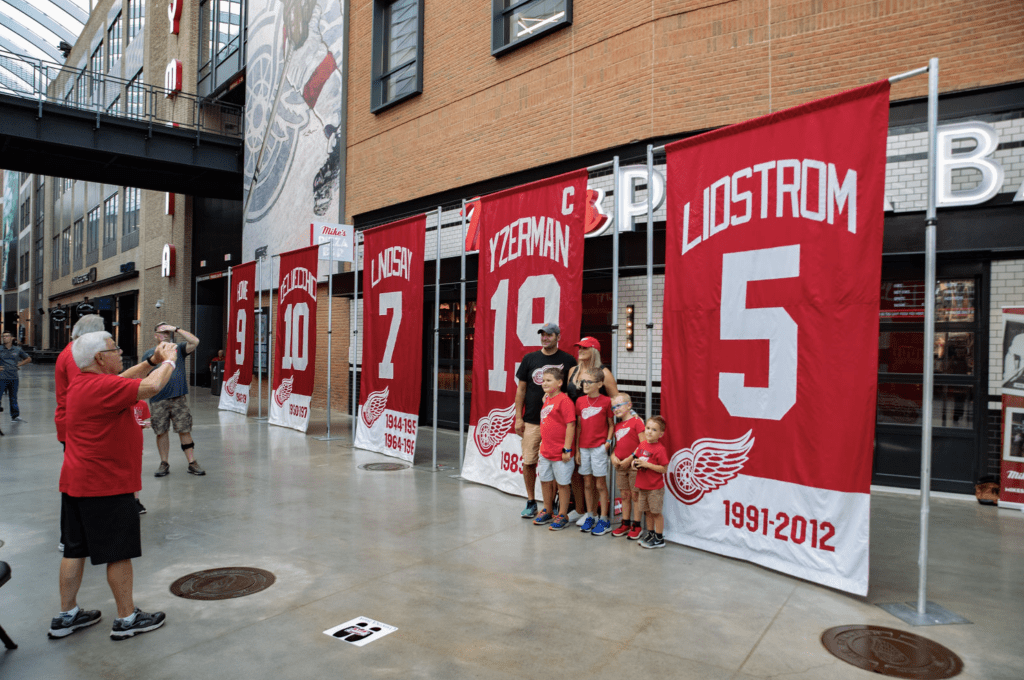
[629, 328]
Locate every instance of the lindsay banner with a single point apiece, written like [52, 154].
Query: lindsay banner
[773, 258]
[1011, 483]
[234, 396]
[389, 396]
[295, 339]
[531, 264]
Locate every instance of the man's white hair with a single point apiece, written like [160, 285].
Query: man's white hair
[90, 323]
[86, 347]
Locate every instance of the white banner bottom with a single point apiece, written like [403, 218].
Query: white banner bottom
[814, 534]
[236, 400]
[293, 413]
[502, 468]
[392, 433]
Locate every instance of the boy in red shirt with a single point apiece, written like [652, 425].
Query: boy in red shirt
[596, 426]
[627, 438]
[557, 432]
[650, 461]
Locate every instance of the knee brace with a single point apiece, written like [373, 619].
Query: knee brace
[186, 447]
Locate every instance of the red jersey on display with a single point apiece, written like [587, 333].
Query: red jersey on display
[655, 454]
[238, 362]
[63, 374]
[593, 416]
[104, 444]
[555, 416]
[627, 437]
[295, 339]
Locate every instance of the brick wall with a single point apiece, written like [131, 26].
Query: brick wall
[627, 71]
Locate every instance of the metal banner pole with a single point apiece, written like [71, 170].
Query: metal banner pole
[270, 338]
[462, 343]
[437, 326]
[260, 340]
[330, 329]
[354, 348]
[929, 334]
[230, 324]
[617, 200]
[649, 408]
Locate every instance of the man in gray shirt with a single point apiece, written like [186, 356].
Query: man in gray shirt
[170, 405]
[11, 360]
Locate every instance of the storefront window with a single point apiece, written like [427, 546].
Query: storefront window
[901, 403]
[903, 301]
[901, 352]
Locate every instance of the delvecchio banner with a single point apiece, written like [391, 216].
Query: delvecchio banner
[389, 396]
[295, 339]
[770, 364]
[1011, 482]
[530, 273]
[234, 395]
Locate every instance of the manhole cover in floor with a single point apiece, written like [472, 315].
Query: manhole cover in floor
[384, 467]
[222, 584]
[891, 652]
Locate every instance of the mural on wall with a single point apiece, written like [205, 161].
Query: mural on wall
[293, 115]
[12, 180]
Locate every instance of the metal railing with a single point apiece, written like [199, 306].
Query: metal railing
[115, 98]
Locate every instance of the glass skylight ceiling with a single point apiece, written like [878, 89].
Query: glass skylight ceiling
[34, 28]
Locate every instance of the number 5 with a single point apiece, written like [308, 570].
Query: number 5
[773, 324]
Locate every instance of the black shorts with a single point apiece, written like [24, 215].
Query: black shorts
[103, 528]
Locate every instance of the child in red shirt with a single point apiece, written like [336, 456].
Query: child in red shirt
[596, 426]
[627, 438]
[651, 461]
[555, 465]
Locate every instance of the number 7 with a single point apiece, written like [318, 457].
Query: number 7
[392, 301]
[773, 324]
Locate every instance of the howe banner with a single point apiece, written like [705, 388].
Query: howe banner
[234, 395]
[389, 397]
[770, 360]
[295, 339]
[530, 273]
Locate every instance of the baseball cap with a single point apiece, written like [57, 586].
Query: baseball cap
[589, 342]
[551, 328]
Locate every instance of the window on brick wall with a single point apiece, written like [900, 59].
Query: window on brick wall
[65, 252]
[515, 23]
[397, 52]
[92, 237]
[79, 239]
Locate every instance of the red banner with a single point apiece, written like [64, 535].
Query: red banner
[295, 339]
[234, 394]
[770, 360]
[1011, 482]
[530, 273]
[389, 396]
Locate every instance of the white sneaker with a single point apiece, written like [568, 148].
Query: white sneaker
[573, 515]
[19, 419]
[582, 520]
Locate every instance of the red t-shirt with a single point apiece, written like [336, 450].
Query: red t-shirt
[64, 373]
[655, 454]
[627, 437]
[555, 415]
[104, 444]
[593, 415]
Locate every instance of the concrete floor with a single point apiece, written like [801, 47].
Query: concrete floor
[475, 591]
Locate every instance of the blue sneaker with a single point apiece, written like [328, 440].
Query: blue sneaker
[561, 522]
[530, 511]
[602, 527]
[543, 518]
[588, 525]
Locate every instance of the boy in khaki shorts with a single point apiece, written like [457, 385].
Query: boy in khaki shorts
[627, 438]
[650, 461]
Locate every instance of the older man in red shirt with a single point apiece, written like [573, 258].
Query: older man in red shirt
[102, 470]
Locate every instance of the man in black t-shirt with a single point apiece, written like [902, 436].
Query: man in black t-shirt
[530, 398]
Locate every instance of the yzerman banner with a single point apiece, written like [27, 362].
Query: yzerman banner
[295, 339]
[530, 273]
[770, 360]
[389, 396]
[234, 395]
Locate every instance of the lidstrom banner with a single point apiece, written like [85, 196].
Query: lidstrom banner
[239, 361]
[295, 339]
[530, 273]
[389, 396]
[772, 269]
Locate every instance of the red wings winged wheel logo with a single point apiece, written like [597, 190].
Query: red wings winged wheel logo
[284, 391]
[229, 386]
[707, 465]
[374, 406]
[492, 428]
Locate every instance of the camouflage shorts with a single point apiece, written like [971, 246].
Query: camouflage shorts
[174, 411]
